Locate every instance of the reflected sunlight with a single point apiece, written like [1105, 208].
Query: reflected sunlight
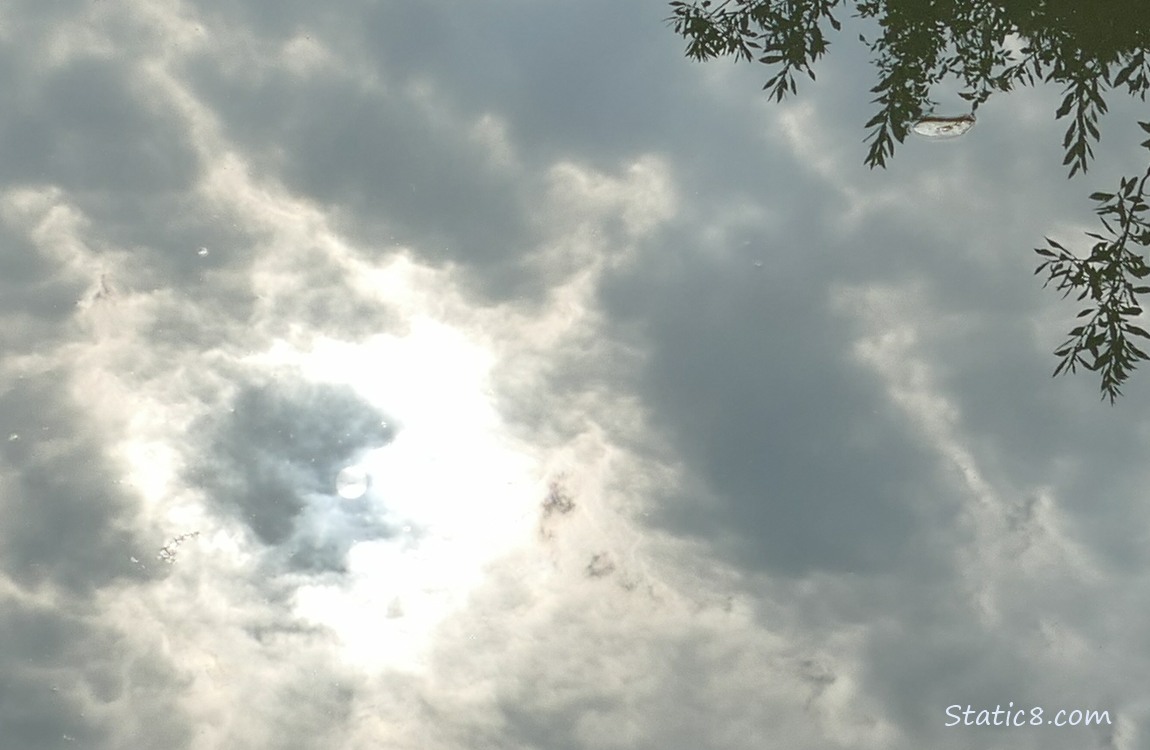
[460, 490]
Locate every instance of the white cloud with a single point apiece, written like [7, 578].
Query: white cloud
[625, 488]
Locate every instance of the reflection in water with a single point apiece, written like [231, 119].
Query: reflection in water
[352, 482]
[944, 127]
[168, 551]
[988, 47]
[450, 490]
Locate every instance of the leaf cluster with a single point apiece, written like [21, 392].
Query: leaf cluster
[918, 49]
[1109, 279]
[785, 34]
[921, 43]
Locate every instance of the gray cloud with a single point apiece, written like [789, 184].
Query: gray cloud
[272, 459]
[71, 525]
[822, 485]
[81, 126]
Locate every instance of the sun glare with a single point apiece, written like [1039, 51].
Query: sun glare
[457, 488]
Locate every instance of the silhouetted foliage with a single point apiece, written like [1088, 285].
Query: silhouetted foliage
[990, 46]
[1104, 277]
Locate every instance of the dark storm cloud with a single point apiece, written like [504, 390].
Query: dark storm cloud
[396, 175]
[63, 676]
[37, 295]
[94, 126]
[82, 126]
[68, 521]
[803, 467]
[1040, 437]
[397, 161]
[574, 83]
[46, 666]
[917, 678]
[70, 531]
[274, 19]
[163, 234]
[272, 459]
[750, 383]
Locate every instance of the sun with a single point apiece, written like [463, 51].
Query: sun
[458, 487]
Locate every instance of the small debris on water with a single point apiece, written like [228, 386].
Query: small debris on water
[943, 127]
[168, 551]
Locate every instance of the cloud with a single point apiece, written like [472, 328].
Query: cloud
[275, 459]
[680, 428]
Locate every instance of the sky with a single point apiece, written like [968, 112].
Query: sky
[444, 375]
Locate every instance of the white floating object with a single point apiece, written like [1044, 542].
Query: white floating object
[351, 482]
[943, 127]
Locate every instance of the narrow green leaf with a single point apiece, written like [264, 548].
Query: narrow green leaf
[1064, 108]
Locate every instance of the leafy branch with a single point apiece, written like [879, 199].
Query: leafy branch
[1103, 344]
[714, 31]
[789, 32]
[1135, 74]
[921, 44]
[794, 39]
[1082, 96]
[903, 95]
